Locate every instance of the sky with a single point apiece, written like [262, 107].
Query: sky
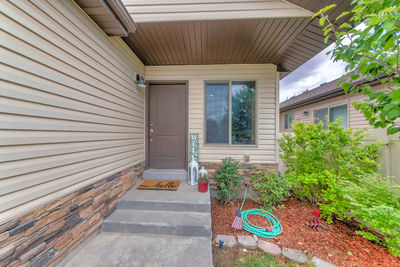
[317, 70]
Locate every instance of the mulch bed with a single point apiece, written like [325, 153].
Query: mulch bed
[337, 244]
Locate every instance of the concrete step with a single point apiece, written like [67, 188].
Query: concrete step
[186, 198]
[158, 222]
[138, 250]
[165, 174]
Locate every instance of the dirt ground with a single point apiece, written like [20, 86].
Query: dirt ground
[337, 244]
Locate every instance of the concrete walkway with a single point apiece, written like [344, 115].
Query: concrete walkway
[152, 228]
[116, 249]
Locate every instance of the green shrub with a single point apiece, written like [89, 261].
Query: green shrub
[272, 188]
[375, 202]
[332, 168]
[317, 159]
[229, 180]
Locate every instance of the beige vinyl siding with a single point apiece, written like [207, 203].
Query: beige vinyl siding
[356, 120]
[70, 112]
[265, 76]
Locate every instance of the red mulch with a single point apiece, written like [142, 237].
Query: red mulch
[333, 244]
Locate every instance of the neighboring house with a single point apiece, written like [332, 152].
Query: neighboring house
[326, 101]
[75, 125]
[330, 101]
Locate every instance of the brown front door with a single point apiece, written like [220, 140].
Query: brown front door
[167, 126]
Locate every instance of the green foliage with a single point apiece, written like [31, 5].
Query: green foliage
[316, 158]
[272, 188]
[229, 180]
[203, 178]
[375, 202]
[370, 44]
[262, 260]
[333, 169]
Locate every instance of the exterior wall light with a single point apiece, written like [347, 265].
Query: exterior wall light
[139, 80]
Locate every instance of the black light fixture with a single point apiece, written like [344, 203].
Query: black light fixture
[305, 113]
[140, 81]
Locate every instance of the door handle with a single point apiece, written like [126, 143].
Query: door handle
[151, 132]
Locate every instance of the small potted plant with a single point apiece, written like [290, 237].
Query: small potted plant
[203, 184]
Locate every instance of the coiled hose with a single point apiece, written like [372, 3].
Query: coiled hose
[274, 229]
[267, 232]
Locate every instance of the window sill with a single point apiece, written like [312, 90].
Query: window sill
[229, 146]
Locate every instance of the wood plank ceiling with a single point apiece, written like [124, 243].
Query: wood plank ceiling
[286, 42]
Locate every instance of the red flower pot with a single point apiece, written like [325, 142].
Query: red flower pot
[203, 186]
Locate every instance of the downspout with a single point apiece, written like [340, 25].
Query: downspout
[277, 119]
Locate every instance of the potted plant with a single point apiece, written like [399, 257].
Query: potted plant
[203, 184]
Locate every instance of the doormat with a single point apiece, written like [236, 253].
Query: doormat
[159, 185]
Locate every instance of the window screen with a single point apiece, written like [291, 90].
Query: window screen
[289, 119]
[217, 113]
[321, 115]
[243, 112]
[339, 112]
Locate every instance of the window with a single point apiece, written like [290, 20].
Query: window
[289, 119]
[339, 112]
[230, 112]
[333, 113]
[321, 115]
[217, 113]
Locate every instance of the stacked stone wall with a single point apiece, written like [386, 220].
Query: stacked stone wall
[43, 235]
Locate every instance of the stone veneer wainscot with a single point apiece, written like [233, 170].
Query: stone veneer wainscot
[48, 232]
[247, 170]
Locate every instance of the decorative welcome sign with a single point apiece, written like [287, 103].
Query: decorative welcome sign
[194, 147]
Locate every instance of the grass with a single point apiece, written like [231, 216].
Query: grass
[263, 260]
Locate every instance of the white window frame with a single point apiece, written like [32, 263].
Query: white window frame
[255, 143]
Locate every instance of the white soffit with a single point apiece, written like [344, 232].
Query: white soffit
[143, 11]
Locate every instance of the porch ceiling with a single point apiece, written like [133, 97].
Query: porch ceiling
[285, 41]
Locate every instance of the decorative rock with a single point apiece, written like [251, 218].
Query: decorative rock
[255, 238]
[229, 240]
[247, 242]
[321, 263]
[244, 250]
[295, 255]
[269, 247]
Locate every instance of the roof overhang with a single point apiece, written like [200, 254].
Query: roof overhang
[147, 11]
[110, 15]
[201, 32]
[333, 93]
[323, 92]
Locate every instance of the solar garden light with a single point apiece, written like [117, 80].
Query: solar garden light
[221, 244]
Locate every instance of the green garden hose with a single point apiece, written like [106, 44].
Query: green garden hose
[269, 232]
[274, 229]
